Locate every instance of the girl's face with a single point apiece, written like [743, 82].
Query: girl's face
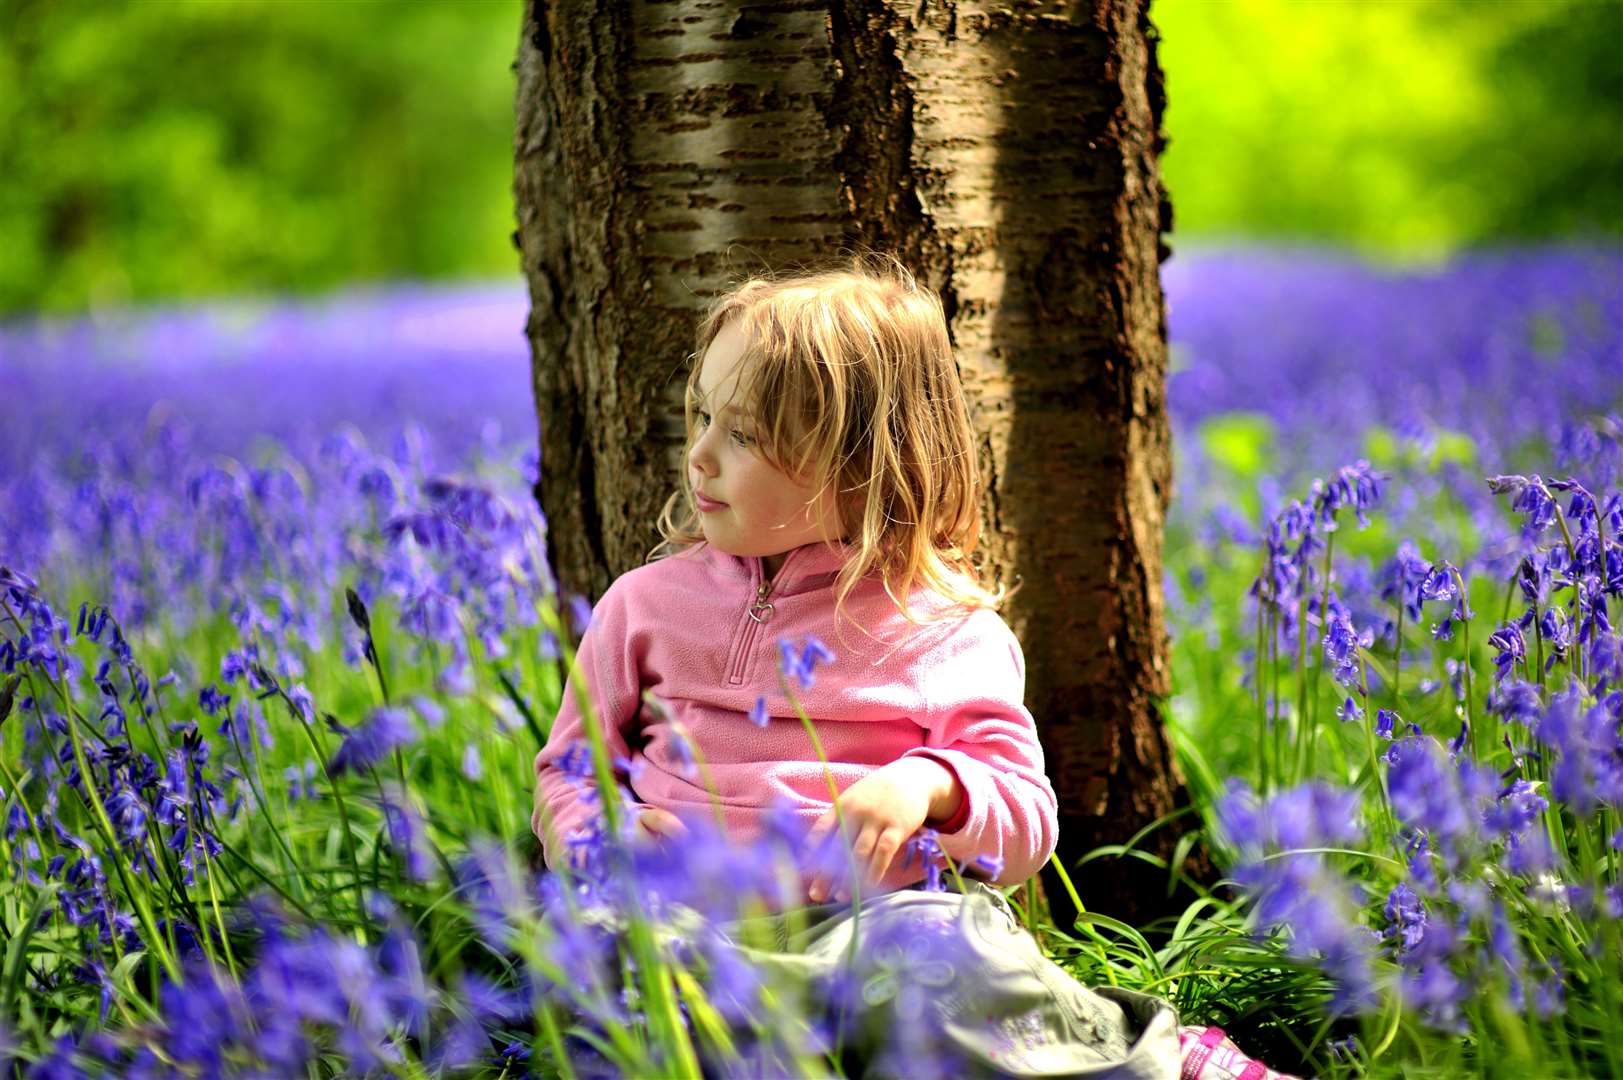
[746, 505]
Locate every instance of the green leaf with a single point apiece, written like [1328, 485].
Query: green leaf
[17, 947]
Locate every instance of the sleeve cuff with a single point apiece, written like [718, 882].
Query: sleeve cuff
[960, 817]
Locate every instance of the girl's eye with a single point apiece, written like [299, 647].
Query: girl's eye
[738, 436]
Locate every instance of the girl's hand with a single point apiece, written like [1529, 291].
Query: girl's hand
[654, 823]
[882, 811]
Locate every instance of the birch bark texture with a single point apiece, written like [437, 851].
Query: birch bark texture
[1007, 153]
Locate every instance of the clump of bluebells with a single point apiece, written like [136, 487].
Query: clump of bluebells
[222, 927]
[260, 703]
[266, 860]
[1446, 848]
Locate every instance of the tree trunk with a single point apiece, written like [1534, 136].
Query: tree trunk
[1008, 154]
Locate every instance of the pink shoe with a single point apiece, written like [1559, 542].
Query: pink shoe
[1208, 1054]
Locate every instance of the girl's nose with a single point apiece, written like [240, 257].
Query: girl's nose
[700, 457]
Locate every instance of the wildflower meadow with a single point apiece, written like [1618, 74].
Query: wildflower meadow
[278, 644]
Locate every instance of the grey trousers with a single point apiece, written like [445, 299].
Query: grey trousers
[952, 985]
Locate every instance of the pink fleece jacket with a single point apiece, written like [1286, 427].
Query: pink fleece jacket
[682, 628]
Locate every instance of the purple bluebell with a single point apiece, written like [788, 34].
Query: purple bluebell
[1588, 765]
[990, 865]
[799, 666]
[1407, 913]
[1430, 794]
[1400, 578]
[301, 701]
[1341, 643]
[1438, 583]
[1516, 701]
[576, 763]
[365, 745]
[212, 700]
[1510, 649]
[1529, 853]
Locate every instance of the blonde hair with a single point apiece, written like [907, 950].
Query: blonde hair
[850, 377]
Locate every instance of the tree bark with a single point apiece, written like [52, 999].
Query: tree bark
[1008, 154]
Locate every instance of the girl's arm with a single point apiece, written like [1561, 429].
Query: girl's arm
[978, 726]
[565, 798]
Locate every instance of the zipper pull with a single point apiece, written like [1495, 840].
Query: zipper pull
[761, 610]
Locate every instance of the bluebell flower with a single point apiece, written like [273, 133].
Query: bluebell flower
[1533, 577]
[1516, 808]
[1438, 583]
[1529, 854]
[733, 985]
[1556, 632]
[758, 714]
[1510, 648]
[1341, 643]
[1592, 617]
[1588, 766]
[800, 666]
[432, 531]
[1386, 722]
[1356, 485]
[1429, 795]
[429, 710]
[1408, 914]
[386, 729]
[1606, 662]
[1314, 814]
[1400, 578]
[1531, 498]
[576, 763]
[128, 814]
[925, 846]
[300, 700]
[431, 614]
[1429, 983]
[454, 678]
[233, 666]
[463, 1043]
[59, 1064]
[212, 700]
[1516, 701]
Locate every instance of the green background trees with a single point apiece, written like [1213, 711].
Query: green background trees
[193, 147]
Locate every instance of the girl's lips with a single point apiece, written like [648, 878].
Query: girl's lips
[707, 505]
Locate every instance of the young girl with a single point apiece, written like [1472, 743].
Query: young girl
[831, 500]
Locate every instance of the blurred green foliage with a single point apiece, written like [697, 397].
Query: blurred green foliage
[1404, 128]
[181, 148]
[177, 148]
